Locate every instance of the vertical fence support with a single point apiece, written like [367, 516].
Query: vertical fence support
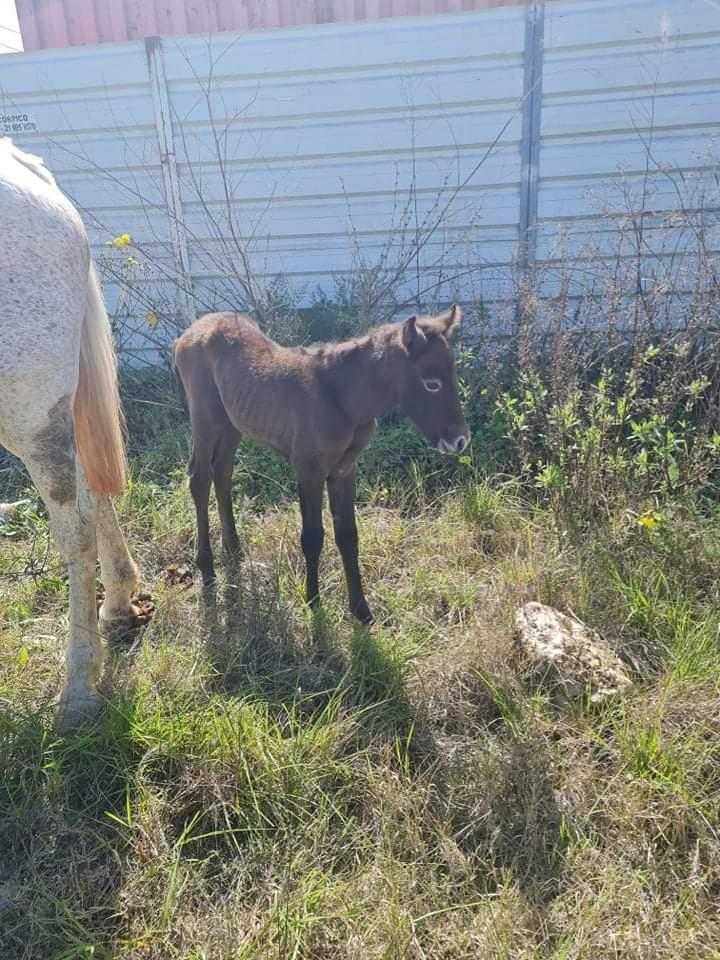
[171, 184]
[531, 131]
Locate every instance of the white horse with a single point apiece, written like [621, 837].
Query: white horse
[59, 404]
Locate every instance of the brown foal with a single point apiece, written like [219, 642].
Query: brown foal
[317, 407]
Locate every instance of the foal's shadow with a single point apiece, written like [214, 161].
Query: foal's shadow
[256, 645]
[258, 648]
[522, 822]
[378, 677]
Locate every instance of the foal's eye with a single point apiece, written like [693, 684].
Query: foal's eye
[432, 385]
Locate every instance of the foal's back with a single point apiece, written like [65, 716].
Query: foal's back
[232, 373]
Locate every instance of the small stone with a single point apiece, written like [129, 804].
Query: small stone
[10, 510]
[176, 574]
[570, 654]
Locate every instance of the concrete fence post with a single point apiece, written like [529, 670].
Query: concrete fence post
[531, 131]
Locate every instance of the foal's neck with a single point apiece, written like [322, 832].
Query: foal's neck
[361, 374]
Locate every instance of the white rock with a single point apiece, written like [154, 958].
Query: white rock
[570, 654]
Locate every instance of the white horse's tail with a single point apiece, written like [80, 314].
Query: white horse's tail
[99, 422]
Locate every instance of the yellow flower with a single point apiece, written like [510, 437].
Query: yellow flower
[649, 520]
[152, 319]
[121, 240]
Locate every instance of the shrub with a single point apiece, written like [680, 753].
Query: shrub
[638, 422]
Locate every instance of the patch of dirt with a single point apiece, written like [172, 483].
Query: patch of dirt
[179, 575]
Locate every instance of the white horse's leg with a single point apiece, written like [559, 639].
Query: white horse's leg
[75, 534]
[72, 509]
[118, 569]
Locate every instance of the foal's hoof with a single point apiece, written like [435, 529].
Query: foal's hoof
[363, 613]
[76, 710]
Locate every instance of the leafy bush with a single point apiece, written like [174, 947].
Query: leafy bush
[638, 422]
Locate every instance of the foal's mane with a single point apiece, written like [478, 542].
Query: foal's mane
[378, 339]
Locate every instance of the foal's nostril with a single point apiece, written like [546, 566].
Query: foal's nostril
[460, 444]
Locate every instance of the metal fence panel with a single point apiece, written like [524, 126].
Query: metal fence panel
[323, 150]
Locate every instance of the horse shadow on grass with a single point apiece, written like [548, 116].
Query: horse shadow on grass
[507, 815]
[61, 860]
[501, 797]
[497, 776]
[259, 649]
[256, 646]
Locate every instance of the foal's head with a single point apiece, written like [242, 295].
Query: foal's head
[428, 387]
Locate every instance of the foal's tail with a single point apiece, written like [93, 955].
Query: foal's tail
[179, 385]
[97, 413]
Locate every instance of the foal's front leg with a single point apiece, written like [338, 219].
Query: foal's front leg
[341, 490]
[310, 486]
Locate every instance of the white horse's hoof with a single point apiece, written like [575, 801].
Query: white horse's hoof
[120, 627]
[75, 710]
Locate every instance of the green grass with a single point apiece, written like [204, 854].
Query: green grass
[265, 783]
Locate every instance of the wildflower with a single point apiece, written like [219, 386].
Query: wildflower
[121, 240]
[649, 520]
[152, 319]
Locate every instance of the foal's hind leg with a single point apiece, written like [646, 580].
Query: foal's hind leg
[311, 485]
[200, 490]
[223, 463]
[209, 425]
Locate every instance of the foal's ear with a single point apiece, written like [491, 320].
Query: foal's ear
[413, 337]
[450, 320]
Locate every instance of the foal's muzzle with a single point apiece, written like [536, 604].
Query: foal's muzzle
[455, 446]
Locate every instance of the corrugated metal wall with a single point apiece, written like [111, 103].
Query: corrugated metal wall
[630, 122]
[327, 142]
[339, 142]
